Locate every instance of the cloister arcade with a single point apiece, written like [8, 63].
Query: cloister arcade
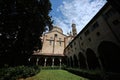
[47, 60]
[107, 58]
[97, 46]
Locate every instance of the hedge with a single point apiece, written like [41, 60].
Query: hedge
[13, 73]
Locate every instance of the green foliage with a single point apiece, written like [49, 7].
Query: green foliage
[91, 74]
[52, 67]
[13, 73]
[22, 22]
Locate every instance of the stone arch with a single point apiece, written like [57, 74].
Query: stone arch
[68, 61]
[82, 61]
[92, 59]
[71, 60]
[33, 61]
[56, 61]
[75, 61]
[109, 56]
[64, 60]
[41, 61]
[49, 61]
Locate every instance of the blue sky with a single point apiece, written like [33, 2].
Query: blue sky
[80, 12]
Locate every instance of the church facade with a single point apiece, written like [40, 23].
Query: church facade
[54, 43]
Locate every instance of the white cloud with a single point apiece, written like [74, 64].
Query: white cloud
[78, 11]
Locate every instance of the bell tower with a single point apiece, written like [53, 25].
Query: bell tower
[74, 31]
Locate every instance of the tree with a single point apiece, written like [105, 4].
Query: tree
[22, 22]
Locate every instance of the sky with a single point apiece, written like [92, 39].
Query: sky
[80, 12]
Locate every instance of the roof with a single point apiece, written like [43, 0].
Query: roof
[55, 31]
[50, 54]
[57, 28]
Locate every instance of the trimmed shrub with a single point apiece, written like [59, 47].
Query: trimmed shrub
[51, 67]
[13, 73]
[91, 74]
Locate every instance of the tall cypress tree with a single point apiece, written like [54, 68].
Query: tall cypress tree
[22, 22]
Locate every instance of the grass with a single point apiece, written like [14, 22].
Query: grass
[55, 75]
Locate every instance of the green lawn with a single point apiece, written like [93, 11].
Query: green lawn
[55, 75]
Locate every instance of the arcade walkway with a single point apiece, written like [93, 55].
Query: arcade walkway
[55, 75]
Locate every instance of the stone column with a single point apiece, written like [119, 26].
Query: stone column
[45, 62]
[60, 62]
[29, 59]
[37, 61]
[52, 62]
